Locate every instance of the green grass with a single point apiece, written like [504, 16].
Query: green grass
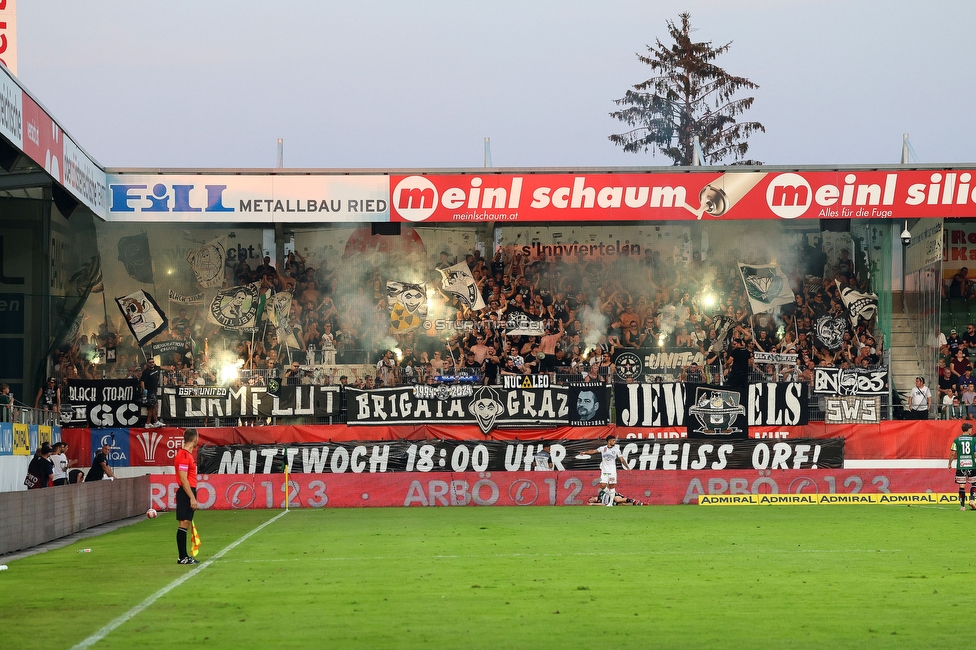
[814, 576]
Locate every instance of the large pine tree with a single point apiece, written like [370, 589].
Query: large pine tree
[689, 96]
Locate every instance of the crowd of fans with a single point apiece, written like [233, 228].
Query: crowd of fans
[590, 309]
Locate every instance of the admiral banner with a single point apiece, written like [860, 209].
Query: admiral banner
[493, 456]
[486, 406]
[668, 405]
[102, 403]
[850, 381]
[851, 409]
[249, 401]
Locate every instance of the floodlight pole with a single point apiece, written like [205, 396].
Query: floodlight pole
[487, 152]
[904, 149]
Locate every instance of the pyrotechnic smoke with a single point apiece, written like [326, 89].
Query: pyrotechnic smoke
[594, 327]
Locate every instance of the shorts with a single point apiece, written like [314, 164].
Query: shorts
[608, 477]
[60, 481]
[183, 510]
[964, 476]
[151, 399]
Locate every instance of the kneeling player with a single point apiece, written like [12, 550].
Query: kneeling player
[963, 450]
[609, 453]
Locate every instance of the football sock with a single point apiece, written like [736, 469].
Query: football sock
[611, 495]
[972, 492]
[962, 496]
[181, 542]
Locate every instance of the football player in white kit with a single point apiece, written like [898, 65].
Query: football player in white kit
[609, 453]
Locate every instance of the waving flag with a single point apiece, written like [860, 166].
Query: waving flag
[458, 280]
[143, 316]
[767, 286]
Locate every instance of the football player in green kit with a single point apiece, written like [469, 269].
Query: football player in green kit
[964, 452]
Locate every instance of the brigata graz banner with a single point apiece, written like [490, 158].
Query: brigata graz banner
[667, 405]
[487, 406]
[248, 401]
[491, 456]
[102, 403]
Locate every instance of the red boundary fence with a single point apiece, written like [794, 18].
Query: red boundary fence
[242, 491]
[889, 440]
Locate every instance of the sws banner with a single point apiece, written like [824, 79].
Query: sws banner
[249, 401]
[850, 381]
[102, 403]
[486, 406]
[667, 405]
[492, 456]
[852, 409]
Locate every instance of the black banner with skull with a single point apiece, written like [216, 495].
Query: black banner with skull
[487, 407]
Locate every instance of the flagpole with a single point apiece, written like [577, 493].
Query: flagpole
[286, 478]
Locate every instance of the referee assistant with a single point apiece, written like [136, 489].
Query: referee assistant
[186, 496]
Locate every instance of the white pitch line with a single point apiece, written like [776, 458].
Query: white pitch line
[105, 631]
[388, 558]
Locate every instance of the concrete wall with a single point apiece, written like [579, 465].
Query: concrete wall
[33, 517]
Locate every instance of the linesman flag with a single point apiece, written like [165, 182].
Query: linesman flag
[194, 540]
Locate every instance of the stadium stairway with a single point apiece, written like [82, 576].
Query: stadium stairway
[904, 358]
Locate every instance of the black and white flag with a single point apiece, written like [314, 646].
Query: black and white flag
[766, 285]
[458, 280]
[135, 254]
[208, 263]
[143, 316]
[830, 331]
[237, 307]
[859, 305]
[519, 323]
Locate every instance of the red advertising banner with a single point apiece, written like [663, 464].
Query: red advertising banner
[889, 440]
[42, 139]
[689, 195]
[257, 491]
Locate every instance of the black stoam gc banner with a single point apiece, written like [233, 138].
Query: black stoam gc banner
[249, 401]
[486, 406]
[102, 403]
[493, 456]
[712, 409]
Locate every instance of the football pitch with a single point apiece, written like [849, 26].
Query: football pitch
[559, 577]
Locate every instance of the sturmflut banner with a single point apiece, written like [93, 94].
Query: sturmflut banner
[486, 406]
[249, 401]
[493, 456]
